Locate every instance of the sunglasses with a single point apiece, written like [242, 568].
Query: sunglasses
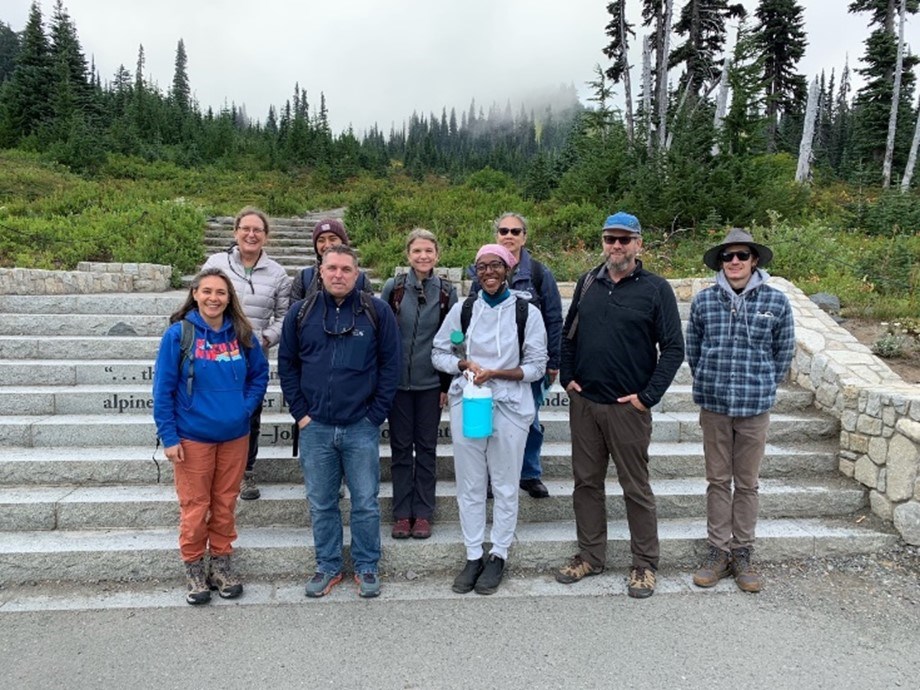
[613, 239]
[513, 231]
[728, 256]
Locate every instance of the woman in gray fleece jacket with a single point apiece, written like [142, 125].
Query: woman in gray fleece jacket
[420, 300]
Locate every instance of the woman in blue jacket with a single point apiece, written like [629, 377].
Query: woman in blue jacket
[205, 389]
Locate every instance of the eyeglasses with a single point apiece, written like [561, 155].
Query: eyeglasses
[728, 256]
[613, 239]
[513, 231]
[245, 229]
[344, 331]
[493, 266]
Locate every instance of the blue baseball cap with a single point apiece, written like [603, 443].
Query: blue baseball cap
[623, 221]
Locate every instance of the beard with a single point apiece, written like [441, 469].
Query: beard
[620, 265]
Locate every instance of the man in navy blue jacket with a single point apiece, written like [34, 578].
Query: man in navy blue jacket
[536, 281]
[339, 368]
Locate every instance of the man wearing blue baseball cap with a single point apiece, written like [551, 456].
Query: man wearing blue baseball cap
[621, 347]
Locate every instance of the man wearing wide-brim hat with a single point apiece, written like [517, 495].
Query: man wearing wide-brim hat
[740, 342]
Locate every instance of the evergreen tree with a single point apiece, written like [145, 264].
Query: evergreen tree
[619, 30]
[872, 103]
[9, 49]
[781, 41]
[181, 91]
[702, 22]
[28, 92]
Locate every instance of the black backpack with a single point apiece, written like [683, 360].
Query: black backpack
[399, 291]
[520, 318]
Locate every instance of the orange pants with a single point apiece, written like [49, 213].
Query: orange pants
[207, 484]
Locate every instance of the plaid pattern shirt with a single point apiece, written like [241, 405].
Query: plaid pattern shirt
[739, 355]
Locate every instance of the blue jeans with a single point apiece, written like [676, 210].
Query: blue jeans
[531, 469]
[326, 452]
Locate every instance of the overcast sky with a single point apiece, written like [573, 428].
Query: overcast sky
[380, 61]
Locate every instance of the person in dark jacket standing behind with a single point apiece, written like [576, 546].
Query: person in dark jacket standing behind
[533, 279]
[339, 368]
[740, 342]
[326, 233]
[420, 303]
[264, 289]
[621, 348]
[202, 402]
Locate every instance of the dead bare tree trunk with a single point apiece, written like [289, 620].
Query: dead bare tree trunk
[912, 158]
[647, 90]
[721, 103]
[665, 48]
[895, 99]
[627, 85]
[808, 134]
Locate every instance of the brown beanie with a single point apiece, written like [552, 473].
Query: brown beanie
[333, 225]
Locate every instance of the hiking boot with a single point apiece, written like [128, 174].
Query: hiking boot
[322, 583]
[716, 566]
[535, 488]
[196, 586]
[249, 490]
[221, 578]
[466, 580]
[746, 577]
[368, 585]
[491, 576]
[576, 569]
[402, 529]
[641, 582]
[421, 528]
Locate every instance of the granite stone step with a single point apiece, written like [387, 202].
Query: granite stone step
[145, 507]
[138, 429]
[92, 555]
[134, 395]
[133, 465]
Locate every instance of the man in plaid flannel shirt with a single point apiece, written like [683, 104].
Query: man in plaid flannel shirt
[740, 342]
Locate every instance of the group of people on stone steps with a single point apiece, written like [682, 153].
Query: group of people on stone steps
[348, 361]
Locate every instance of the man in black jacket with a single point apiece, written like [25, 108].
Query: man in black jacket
[621, 347]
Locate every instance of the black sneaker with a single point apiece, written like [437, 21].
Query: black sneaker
[535, 488]
[466, 580]
[491, 576]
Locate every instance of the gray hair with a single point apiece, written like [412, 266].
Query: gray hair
[498, 221]
[422, 234]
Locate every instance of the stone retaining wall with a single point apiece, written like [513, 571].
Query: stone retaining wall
[89, 278]
[879, 413]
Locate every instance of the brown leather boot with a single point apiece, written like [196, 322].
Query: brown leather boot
[746, 577]
[716, 566]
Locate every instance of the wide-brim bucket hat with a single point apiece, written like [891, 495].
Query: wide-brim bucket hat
[737, 236]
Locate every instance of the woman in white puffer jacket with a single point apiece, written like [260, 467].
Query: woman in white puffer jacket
[264, 289]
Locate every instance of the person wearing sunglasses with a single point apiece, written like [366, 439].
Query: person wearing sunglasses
[533, 280]
[740, 343]
[622, 346]
[493, 354]
[264, 290]
[339, 369]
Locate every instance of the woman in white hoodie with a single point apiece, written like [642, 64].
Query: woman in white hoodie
[494, 355]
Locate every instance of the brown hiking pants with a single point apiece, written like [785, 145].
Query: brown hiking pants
[734, 449]
[622, 432]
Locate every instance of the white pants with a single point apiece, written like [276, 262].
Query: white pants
[500, 457]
